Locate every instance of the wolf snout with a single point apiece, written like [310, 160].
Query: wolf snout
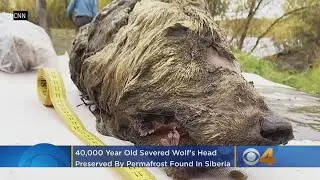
[276, 129]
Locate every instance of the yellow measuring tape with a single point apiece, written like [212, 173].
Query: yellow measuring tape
[52, 93]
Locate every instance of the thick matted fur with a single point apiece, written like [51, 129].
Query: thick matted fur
[152, 66]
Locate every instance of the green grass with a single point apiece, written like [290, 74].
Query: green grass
[62, 39]
[308, 81]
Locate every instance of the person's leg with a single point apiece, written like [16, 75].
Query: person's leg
[86, 20]
[81, 21]
[77, 21]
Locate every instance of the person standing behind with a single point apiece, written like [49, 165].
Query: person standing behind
[84, 11]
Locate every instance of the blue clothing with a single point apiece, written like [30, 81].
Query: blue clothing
[82, 8]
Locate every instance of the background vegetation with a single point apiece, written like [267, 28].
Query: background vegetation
[56, 10]
[296, 33]
[308, 81]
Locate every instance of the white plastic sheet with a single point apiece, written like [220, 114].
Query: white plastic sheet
[23, 45]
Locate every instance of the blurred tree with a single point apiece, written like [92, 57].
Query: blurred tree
[219, 8]
[254, 6]
[301, 42]
[57, 10]
[25, 5]
[286, 14]
[41, 12]
[5, 6]
[245, 12]
[244, 20]
[307, 31]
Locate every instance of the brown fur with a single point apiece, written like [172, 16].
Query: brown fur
[147, 61]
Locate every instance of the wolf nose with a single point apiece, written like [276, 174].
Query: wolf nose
[276, 129]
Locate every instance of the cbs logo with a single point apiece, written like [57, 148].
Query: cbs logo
[252, 157]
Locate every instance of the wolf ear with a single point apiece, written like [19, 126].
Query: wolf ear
[176, 30]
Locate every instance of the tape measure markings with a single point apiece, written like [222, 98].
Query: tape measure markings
[52, 93]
